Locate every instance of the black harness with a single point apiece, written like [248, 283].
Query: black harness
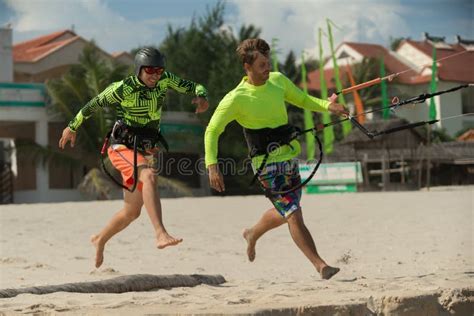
[266, 140]
[139, 139]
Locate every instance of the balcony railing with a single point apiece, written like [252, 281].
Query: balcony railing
[22, 94]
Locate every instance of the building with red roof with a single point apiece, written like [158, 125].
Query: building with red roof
[51, 55]
[24, 68]
[467, 136]
[416, 57]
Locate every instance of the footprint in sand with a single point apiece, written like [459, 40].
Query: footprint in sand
[424, 275]
[346, 258]
[276, 295]
[38, 266]
[239, 301]
[109, 271]
[38, 308]
[120, 304]
[347, 280]
[12, 260]
[178, 295]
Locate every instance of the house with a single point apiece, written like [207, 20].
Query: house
[467, 136]
[414, 60]
[24, 116]
[50, 56]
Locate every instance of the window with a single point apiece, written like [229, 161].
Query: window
[467, 99]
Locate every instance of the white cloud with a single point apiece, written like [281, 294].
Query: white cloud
[92, 19]
[295, 23]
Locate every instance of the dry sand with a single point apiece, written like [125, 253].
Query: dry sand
[403, 253]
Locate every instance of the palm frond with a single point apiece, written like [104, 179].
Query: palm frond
[77, 87]
[45, 155]
[176, 187]
[57, 93]
[96, 185]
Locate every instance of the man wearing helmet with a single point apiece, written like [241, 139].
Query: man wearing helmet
[138, 100]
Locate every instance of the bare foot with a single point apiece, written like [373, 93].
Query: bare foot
[247, 234]
[99, 250]
[164, 240]
[328, 272]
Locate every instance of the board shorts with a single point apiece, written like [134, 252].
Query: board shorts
[121, 158]
[281, 176]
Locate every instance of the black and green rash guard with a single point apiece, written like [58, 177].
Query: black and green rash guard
[136, 104]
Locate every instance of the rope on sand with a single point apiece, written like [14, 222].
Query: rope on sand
[121, 284]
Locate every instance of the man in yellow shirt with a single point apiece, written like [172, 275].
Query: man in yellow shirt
[257, 103]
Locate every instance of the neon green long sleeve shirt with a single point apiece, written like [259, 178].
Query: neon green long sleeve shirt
[258, 107]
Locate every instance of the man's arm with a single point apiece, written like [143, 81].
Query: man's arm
[111, 95]
[296, 96]
[225, 113]
[189, 87]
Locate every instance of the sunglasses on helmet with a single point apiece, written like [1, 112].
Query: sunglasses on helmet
[151, 70]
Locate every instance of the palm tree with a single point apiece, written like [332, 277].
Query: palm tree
[80, 84]
[205, 52]
[367, 69]
[68, 95]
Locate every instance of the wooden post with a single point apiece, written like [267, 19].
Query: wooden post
[364, 170]
[384, 173]
[428, 160]
[403, 169]
[420, 165]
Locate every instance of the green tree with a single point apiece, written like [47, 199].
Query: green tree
[81, 83]
[439, 135]
[289, 69]
[67, 95]
[205, 52]
[395, 42]
[364, 71]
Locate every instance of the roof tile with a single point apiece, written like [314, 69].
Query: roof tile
[37, 48]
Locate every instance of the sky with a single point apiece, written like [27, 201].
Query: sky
[118, 25]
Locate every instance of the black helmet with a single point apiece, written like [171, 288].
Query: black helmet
[148, 56]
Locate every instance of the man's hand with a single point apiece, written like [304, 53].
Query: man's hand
[336, 108]
[68, 135]
[216, 180]
[201, 104]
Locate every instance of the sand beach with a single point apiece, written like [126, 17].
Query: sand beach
[400, 253]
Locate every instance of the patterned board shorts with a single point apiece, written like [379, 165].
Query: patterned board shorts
[280, 176]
